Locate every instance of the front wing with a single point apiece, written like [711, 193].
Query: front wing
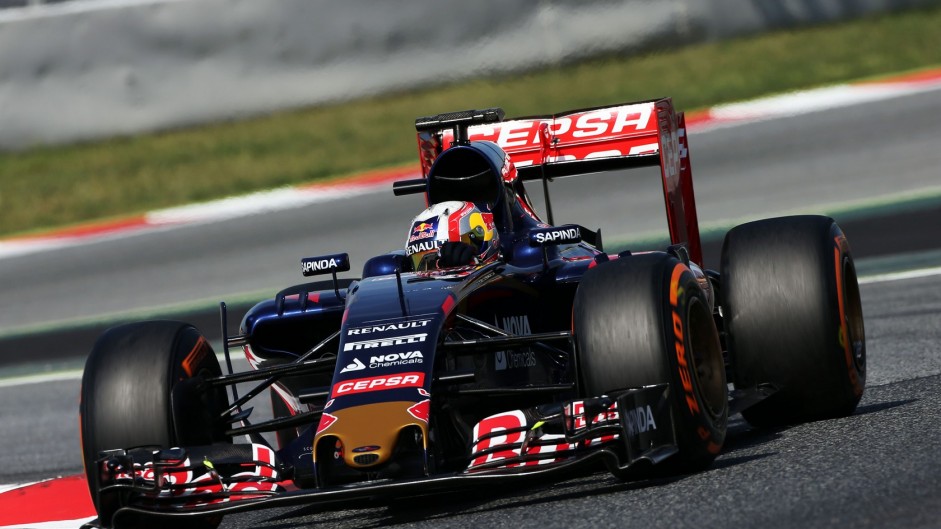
[628, 432]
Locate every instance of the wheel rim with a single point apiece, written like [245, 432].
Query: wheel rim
[853, 306]
[709, 366]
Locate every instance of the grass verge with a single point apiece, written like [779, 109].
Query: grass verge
[51, 187]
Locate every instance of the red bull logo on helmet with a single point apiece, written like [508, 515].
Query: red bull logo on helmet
[423, 230]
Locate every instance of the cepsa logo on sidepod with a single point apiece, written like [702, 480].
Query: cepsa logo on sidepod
[379, 383]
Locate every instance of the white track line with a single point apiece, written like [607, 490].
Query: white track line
[206, 212]
[5, 488]
[42, 378]
[263, 202]
[809, 101]
[60, 524]
[57, 524]
[48, 10]
[899, 276]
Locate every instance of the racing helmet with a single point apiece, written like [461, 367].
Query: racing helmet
[452, 221]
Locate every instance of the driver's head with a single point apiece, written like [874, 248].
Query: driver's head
[451, 234]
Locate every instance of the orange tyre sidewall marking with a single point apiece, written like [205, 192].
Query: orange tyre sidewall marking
[195, 356]
[684, 368]
[844, 337]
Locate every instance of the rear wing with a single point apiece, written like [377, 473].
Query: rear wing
[592, 140]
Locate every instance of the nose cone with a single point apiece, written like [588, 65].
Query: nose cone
[369, 432]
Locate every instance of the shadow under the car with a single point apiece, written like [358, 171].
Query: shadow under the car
[491, 498]
[741, 440]
[882, 406]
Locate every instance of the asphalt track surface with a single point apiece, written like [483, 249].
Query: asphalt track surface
[877, 468]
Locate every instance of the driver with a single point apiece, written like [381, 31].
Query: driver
[451, 234]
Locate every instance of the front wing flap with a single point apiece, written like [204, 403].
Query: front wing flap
[634, 424]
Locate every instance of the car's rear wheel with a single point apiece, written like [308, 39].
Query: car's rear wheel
[793, 313]
[141, 387]
[644, 320]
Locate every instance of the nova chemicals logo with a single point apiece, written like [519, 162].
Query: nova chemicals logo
[355, 366]
[512, 359]
[385, 360]
[396, 359]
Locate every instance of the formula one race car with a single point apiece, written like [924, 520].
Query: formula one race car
[538, 354]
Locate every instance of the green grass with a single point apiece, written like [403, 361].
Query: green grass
[51, 187]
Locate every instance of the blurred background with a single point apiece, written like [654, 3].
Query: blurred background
[87, 69]
[112, 108]
[112, 111]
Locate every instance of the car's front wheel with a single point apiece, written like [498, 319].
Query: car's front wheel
[142, 387]
[643, 320]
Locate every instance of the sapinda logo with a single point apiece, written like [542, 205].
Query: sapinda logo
[322, 264]
[639, 420]
[379, 383]
[561, 235]
[316, 265]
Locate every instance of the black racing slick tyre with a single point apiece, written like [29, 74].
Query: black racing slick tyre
[643, 320]
[142, 387]
[794, 319]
